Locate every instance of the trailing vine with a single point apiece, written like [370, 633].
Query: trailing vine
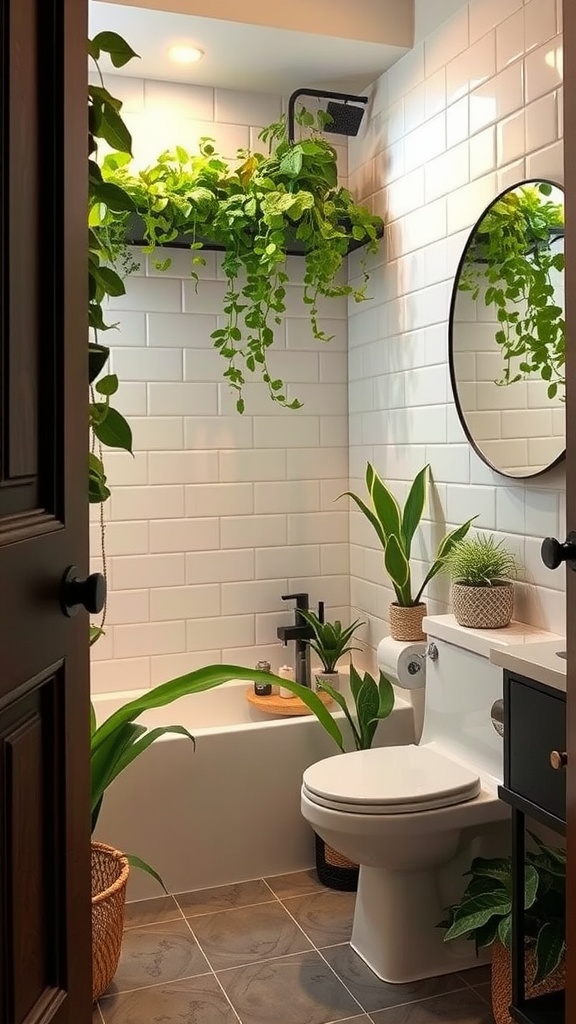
[511, 258]
[255, 211]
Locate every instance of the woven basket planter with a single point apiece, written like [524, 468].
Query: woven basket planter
[110, 870]
[406, 623]
[502, 982]
[483, 607]
[334, 869]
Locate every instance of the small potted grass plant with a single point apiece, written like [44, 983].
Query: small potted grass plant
[331, 641]
[482, 591]
[484, 915]
[395, 528]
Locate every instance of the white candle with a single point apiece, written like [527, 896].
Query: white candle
[286, 672]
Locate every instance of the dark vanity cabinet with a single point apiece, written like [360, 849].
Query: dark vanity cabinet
[535, 788]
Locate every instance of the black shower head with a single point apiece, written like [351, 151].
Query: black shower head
[344, 118]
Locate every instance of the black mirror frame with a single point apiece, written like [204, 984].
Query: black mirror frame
[453, 381]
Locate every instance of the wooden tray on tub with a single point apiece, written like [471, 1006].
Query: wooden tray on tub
[287, 706]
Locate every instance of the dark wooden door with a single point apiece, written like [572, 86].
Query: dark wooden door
[45, 965]
[570, 182]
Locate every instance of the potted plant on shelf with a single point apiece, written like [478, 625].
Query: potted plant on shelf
[484, 915]
[330, 642]
[395, 528]
[255, 209]
[482, 591]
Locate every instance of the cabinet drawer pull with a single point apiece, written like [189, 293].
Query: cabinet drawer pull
[558, 759]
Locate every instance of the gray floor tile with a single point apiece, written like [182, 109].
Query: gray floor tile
[249, 934]
[477, 975]
[157, 954]
[291, 990]
[325, 916]
[195, 1001]
[297, 883]
[155, 911]
[485, 991]
[374, 994]
[463, 1007]
[223, 897]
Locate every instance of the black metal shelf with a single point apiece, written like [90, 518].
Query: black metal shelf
[135, 236]
[532, 810]
[548, 1009]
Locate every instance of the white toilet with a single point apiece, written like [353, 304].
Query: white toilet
[413, 817]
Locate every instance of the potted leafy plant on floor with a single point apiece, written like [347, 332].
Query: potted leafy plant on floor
[483, 915]
[331, 641]
[482, 591]
[395, 528]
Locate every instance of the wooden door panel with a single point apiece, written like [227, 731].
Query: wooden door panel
[45, 955]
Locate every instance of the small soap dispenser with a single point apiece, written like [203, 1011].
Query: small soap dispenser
[263, 689]
[286, 672]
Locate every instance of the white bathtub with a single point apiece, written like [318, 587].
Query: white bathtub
[230, 810]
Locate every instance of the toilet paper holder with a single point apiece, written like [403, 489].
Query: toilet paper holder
[416, 664]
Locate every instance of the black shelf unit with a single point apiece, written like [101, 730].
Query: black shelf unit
[534, 725]
[135, 236]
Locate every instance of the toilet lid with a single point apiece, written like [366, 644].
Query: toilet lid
[389, 780]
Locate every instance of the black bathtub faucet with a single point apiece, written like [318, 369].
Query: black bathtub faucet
[299, 632]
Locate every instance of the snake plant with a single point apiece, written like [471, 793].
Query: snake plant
[395, 528]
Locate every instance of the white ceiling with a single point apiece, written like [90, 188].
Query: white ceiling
[251, 58]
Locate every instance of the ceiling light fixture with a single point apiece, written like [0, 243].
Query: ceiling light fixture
[185, 54]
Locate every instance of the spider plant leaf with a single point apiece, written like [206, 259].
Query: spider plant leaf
[138, 746]
[414, 508]
[104, 759]
[313, 702]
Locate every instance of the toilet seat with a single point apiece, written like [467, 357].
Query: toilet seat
[389, 780]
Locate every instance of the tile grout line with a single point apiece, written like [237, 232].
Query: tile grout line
[157, 984]
[205, 913]
[315, 948]
[213, 972]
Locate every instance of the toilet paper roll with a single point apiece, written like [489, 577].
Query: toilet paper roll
[404, 663]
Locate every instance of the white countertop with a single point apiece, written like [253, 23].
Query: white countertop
[537, 661]
[484, 641]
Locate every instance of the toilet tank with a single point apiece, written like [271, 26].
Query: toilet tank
[461, 687]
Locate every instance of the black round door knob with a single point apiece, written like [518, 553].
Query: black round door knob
[554, 553]
[77, 592]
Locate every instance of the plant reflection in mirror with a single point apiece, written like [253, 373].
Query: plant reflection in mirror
[511, 264]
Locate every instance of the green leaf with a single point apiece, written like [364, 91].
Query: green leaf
[385, 505]
[114, 431]
[114, 197]
[505, 931]
[367, 710]
[494, 867]
[109, 280]
[414, 508]
[530, 886]
[114, 131]
[396, 563]
[137, 862]
[477, 911]
[445, 547]
[117, 47]
[368, 513]
[550, 949]
[107, 385]
[339, 699]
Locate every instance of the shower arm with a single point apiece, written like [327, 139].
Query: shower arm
[319, 95]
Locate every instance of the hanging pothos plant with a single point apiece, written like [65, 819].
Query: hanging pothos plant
[511, 261]
[255, 210]
[108, 427]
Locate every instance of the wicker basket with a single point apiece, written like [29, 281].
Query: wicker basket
[406, 623]
[502, 982]
[483, 607]
[110, 870]
[334, 869]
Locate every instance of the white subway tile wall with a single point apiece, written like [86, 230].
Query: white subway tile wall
[218, 514]
[496, 123]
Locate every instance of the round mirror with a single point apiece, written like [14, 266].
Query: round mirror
[507, 331]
